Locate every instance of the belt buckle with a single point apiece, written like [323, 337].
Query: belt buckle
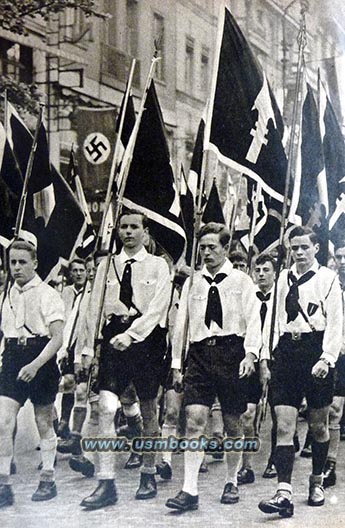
[296, 336]
[211, 341]
[124, 319]
[22, 340]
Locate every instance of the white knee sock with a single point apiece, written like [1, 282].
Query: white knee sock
[48, 453]
[192, 463]
[233, 464]
[6, 454]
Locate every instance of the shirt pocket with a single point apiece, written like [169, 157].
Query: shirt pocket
[232, 304]
[197, 304]
[147, 287]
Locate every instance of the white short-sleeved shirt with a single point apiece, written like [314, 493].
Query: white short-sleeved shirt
[29, 310]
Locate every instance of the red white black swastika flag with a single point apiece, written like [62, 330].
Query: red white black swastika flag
[150, 185]
[52, 213]
[244, 126]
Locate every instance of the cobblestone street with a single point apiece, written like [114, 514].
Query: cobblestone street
[65, 511]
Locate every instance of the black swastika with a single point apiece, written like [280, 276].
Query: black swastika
[94, 149]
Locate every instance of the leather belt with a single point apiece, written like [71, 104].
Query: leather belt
[217, 340]
[26, 341]
[299, 336]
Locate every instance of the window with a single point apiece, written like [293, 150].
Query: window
[75, 26]
[110, 25]
[204, 71]
[189, 62]
[159, 42]
[120, 42]
[16, 61]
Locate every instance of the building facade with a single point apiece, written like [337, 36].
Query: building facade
[78, 62]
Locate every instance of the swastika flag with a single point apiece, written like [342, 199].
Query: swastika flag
[96, 140]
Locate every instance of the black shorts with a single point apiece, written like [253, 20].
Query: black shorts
[141, 363]
[213, 371]
[42, 390]
[291, 373]
[254, 387]
[339, 375]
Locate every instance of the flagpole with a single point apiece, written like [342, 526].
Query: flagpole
[115, 161]
[80, 195]
[220, 30]
[296, 104]
[22, 204]
[123, 179]
[253, 225]
[199, 190]
[234, 213]
[128, 155]
[6, 111]
[4, 254]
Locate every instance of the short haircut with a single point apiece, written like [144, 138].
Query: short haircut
[26, 246]
[338, 244]
[216, 229]
[76, 260]
[300, 231]
[126, 212]
[266, 257]
[238, 256]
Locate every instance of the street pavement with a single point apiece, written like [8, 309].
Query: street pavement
[64, 511]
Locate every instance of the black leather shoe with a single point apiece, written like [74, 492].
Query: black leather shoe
[135, 460]
[147, 487]
[104, 495]
[70, 445]
[278, 504]
[82, 465]
[183, 502]
[45, 491]
[270, 471]
[329, 475]
[230, 494]
[164, 470]
[6, 495]
[245, 476]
